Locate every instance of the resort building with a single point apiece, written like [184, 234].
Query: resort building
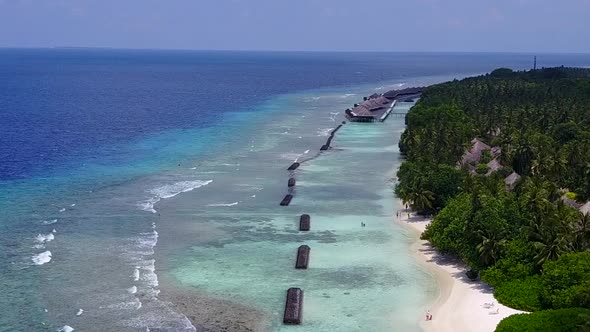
[473, 157]
[404, 94]
[493, 166]
[377, 107]
[511, 180]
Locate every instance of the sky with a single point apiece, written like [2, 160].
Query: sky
[305, 25]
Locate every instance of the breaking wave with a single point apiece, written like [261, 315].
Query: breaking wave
[324, 132]
[224, 204]
[42, 258]
[45, 238]
[170, 190]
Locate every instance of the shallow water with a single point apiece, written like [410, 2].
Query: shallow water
[358, 276]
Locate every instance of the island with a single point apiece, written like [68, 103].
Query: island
[497, 170]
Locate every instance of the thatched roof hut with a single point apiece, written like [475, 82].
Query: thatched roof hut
[473, 155]
[511, 180]
[585, 209]
[493, 166]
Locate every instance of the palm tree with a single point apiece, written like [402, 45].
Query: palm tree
[551, 249]
[582, 232]
[536, 198]
[490, 249]
[552, 237]
[523, 156]
[422, 199]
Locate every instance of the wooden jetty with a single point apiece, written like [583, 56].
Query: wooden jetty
[293, 307]
[287, 200]
[335, 130]
[302, 257]
[386, 114]
[304, 222]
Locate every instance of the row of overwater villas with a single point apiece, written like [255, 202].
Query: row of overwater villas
[378, 106]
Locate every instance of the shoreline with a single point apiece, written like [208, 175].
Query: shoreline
[459, 306]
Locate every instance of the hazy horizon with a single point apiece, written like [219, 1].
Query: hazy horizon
[522, 26]
[531, 53]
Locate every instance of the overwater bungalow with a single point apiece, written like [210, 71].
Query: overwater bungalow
[369, 110]
[404, 93]
[293, 306]
[377, 107]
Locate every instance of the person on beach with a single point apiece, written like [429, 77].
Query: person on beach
[428, 315]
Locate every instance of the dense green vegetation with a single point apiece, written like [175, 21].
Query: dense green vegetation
[523, 239]
[562, 320]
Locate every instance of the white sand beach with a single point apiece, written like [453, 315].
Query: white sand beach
[460, 304]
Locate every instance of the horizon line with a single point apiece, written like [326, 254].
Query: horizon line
[281, 50]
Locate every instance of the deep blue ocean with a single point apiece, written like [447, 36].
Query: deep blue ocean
[79, 124]
[65, 109]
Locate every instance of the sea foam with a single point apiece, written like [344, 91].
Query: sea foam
[224, 204]
[135, 274]
[291, 156]
[66, 328]
[45, 238]
[324, 132]
[42, 258]
[49, 222]
[170, 190]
